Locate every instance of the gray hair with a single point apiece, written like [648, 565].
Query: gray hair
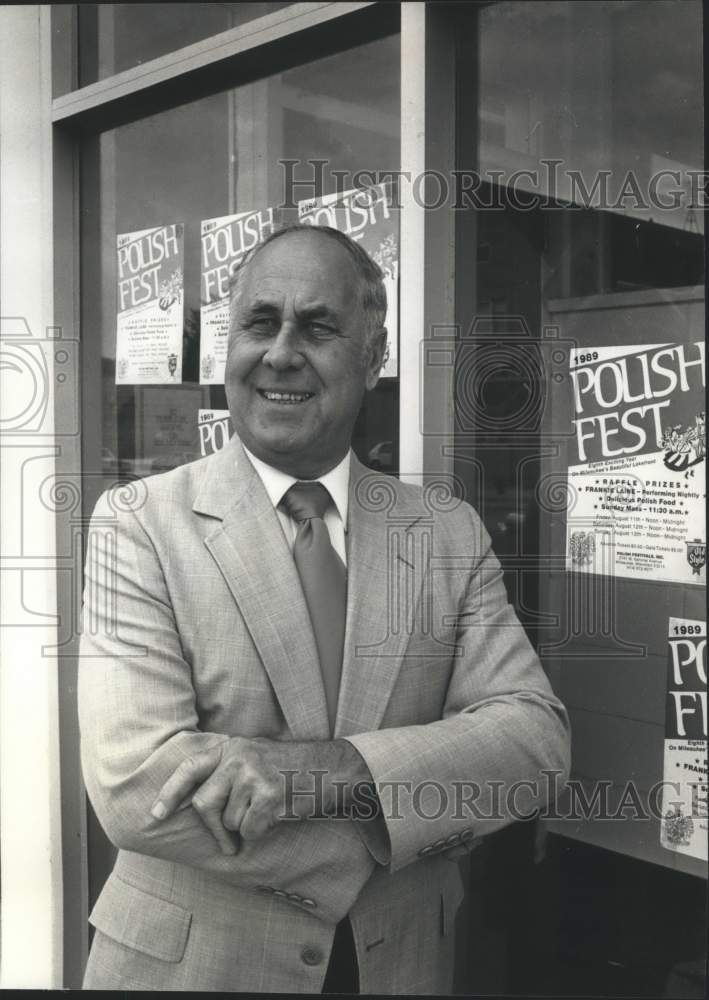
[371, 276]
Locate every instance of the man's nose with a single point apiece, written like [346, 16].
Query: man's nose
[283, 351]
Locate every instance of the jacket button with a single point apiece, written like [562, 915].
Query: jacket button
[467, 834]
[453, 839]
[311, 956]
[310, 903]
[425, 851]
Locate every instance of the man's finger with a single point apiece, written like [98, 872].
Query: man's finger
[209, 802]
[260, 817]
[236, 807]
[190, 773]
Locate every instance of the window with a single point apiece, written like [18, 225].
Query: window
[200, 160]
[207, 159]
[585, 244]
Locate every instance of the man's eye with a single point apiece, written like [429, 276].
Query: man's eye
[261, 324]
[320, 329]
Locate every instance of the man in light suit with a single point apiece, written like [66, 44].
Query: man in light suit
[231, 726]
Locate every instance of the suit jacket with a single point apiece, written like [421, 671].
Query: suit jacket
[195, 629]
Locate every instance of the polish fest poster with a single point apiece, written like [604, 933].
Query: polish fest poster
[214, 429]
[150, 306]
[637, 462]
[366, 215]
[683, 826]
[224, 244]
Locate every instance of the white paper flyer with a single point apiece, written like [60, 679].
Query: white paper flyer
[366, 215]
[214, 427]
[225, 243]
[150, 265]
[684, 792]
[637, 463]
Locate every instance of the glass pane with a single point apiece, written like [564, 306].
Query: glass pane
[583, 98]
[207, 159]
[118, 36]
[605, 89]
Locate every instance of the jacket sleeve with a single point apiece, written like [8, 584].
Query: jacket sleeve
[482, 766]
[139, 720]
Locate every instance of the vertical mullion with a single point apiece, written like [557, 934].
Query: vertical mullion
[433, 71]
[65, 190]
[413, 225]
[69, 543]
[442, 110]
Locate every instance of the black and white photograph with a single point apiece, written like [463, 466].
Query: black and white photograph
[353, 498]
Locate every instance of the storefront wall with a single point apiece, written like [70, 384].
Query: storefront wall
[30, 401]
[188, 123]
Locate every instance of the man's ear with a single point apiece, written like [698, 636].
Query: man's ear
[377, 355]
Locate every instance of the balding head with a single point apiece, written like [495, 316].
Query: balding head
[301, 355]
[368, 272]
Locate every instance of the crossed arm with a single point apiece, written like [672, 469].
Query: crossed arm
[140, 728]
[242, 788]
[146, 756]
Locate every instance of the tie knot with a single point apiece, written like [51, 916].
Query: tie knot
[306, 500]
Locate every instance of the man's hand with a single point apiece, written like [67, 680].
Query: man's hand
[247, 786]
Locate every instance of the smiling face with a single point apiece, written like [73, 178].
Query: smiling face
[298, 364]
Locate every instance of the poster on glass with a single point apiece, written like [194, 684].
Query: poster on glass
[150, 270]
[637, 466]
[684, 791]
[225, 243]
[215, 429]
[368, 216]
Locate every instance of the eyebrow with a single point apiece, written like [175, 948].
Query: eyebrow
[260, 305]
[317, 310]
[313, 311]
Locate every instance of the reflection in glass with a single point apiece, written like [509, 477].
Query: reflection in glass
[581, 96]
[202, 160]
[605, 89]
[118, 36]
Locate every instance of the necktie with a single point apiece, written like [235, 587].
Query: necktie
[324, 580]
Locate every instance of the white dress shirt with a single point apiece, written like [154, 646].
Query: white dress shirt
[337, 483]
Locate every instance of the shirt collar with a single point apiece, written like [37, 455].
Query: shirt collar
[277, 483]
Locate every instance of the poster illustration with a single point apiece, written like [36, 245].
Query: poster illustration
[684, 792]
[637, 462]
[214, 427]
[150, 267]
[225, 243]
[366, 215]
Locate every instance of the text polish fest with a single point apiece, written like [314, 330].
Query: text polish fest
[140, 262]
[622, 404]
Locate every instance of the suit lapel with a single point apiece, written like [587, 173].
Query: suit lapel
[386, 565]
[253, 556]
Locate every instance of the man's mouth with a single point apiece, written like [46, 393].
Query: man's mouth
[287, 398]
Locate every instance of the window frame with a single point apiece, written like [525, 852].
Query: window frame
[249, 52]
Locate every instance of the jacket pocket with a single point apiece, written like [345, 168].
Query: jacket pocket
[141, 921]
